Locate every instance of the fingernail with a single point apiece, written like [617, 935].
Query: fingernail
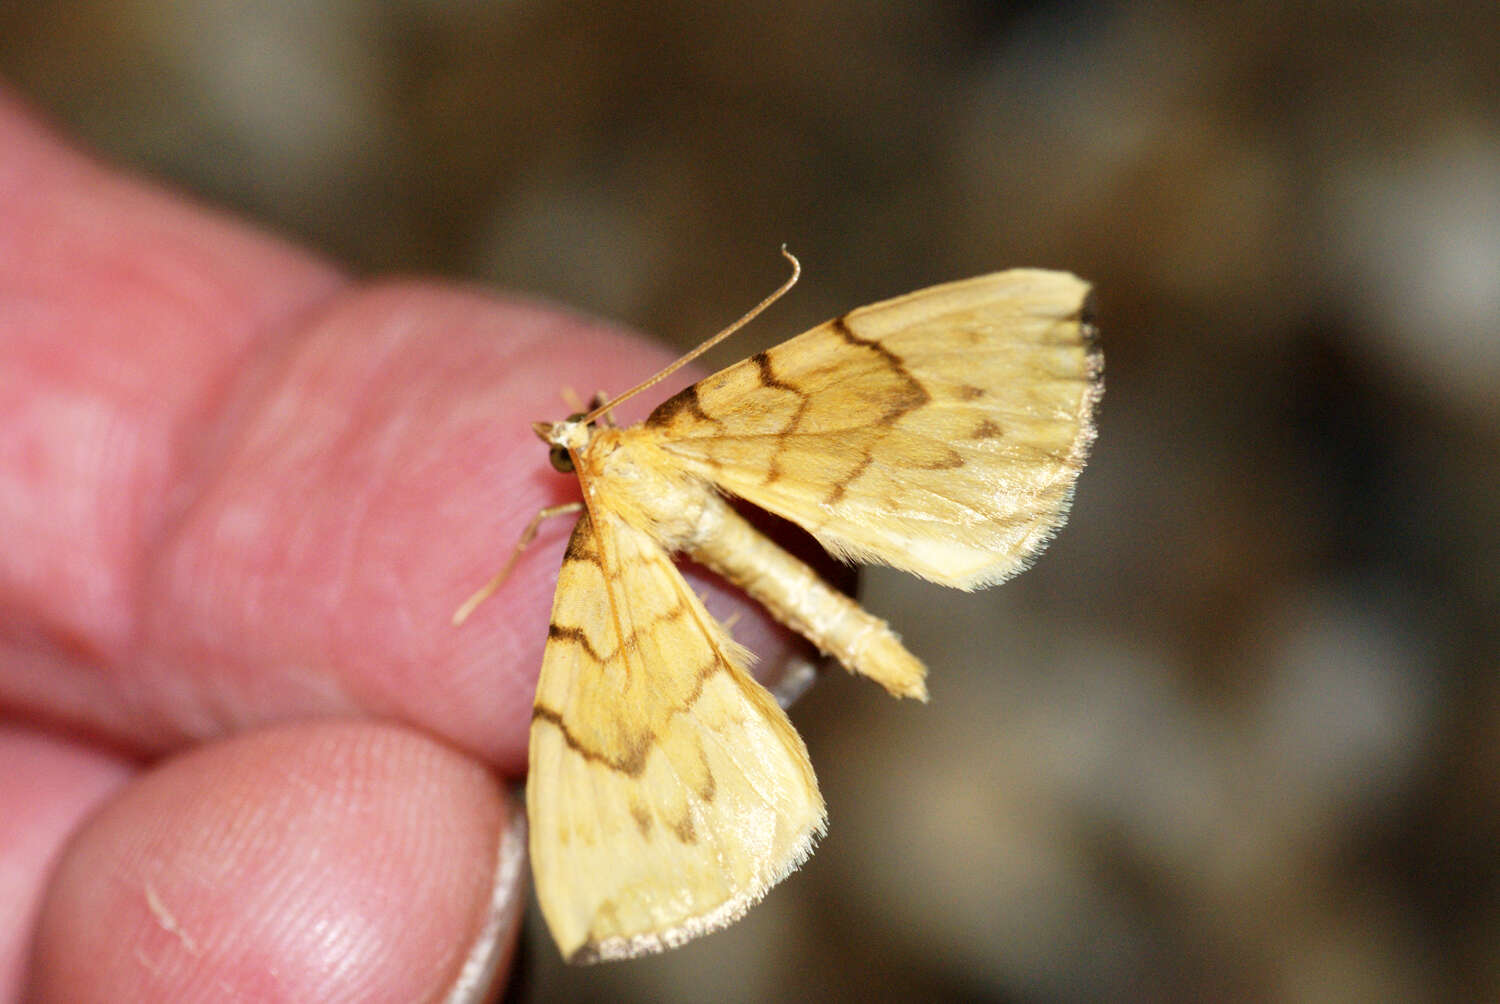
[797, 675]
[496, 941]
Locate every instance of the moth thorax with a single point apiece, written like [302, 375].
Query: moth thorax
[650, 491]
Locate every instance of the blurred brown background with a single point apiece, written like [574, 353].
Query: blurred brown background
[1237, 736]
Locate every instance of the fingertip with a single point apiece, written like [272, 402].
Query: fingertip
[318, 861]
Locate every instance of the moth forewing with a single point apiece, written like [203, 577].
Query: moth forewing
[940, 432]
[667, 790]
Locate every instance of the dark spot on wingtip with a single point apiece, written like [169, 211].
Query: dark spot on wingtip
[1088, 321]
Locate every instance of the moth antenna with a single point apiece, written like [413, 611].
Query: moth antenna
[715, 340]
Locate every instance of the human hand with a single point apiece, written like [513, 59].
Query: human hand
[243, 750]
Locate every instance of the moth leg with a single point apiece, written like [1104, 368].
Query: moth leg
[599, 400]
[527, 536]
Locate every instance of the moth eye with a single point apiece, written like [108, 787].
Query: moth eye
[562, 460]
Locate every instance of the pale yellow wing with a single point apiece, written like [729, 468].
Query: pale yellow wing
[940, 432]
[667, 791]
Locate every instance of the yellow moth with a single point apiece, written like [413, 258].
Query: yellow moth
[940, 432]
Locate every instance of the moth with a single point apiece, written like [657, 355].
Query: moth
[940, 432]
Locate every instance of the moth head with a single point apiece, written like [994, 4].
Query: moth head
[564, 437]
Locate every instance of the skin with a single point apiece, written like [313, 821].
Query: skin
[244, 751]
